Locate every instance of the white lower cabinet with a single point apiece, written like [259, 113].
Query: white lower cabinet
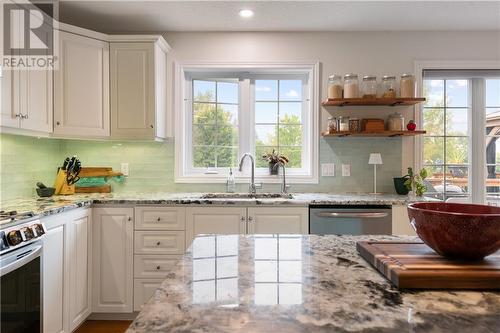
[159, 241]
[113, 260]
[278, 220]
[55, 276]
[242, 220]
[144, 289]
[66, 271]
[80, 284]
[214, 220]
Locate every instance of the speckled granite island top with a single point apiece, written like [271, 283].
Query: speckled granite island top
[294, 283]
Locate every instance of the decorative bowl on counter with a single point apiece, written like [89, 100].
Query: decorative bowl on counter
[462, 231]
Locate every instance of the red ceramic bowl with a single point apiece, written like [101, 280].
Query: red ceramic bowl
[456, 230]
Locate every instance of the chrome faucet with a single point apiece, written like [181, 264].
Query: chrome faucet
[252, 188]
[284, 186]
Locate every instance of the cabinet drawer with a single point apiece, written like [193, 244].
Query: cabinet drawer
[163, 242]
[160, 218]
[154, 266]
[143, 290]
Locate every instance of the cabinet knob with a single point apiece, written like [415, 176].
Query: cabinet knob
[242, 219]
[129, 219]
[151, 126]
[58, 123]
[158, 219]
[158, 267]
[158, 243]
[18, 115]
[250, 218]
[24, 116]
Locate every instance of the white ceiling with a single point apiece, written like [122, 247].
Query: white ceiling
[161, 16]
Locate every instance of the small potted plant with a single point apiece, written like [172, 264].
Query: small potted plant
[415, 182]
[274, 158]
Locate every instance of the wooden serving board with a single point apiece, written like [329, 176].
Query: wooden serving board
[416, 266]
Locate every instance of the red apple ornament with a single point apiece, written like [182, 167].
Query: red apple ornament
[411, 125]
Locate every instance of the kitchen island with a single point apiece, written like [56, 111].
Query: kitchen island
[297, 283]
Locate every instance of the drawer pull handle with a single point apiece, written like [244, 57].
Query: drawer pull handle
[158, 267]
[158, 219]
[158, 243]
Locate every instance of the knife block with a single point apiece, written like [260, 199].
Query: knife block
[61, 185]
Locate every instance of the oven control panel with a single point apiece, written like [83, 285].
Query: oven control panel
[20, 235]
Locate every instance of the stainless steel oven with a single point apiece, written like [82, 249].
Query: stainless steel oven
[21, 290]
[350, 220]
[21, 278]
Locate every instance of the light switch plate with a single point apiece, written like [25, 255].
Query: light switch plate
[327, 169]
[346, 170]
[124, 169]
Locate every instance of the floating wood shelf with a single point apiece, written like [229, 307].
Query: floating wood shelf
[373, 134]
[372, 101]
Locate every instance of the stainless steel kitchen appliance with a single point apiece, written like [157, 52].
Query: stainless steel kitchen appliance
[350, 220]
[20, 276]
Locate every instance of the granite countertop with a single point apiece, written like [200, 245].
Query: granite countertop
[57, 204]
[295, 283]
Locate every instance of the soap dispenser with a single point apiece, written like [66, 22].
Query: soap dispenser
[230, 184]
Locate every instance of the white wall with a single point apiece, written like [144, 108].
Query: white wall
[377, 53]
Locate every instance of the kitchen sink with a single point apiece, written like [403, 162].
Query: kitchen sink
[246, 196]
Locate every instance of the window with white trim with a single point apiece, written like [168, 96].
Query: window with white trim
[226, 113]
[461, 115]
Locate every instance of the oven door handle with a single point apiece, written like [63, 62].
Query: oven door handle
[35, 252]
[366, 215]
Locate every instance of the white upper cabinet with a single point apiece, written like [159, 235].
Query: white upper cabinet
[81, 87]
[138, 89]
[27, 102]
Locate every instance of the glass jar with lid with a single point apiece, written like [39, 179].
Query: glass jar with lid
[369, 86]
[334, 86]
[388, 86]
[351, 86]
[407, 86]
[343, 123]
[396, 122]
[332, 125]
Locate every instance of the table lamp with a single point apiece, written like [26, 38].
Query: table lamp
[375, 158]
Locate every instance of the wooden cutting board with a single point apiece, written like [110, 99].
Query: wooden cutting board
[416, 266]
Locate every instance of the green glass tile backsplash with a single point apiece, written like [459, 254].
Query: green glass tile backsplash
[26, 160]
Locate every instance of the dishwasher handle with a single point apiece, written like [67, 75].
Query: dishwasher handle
[364, 215]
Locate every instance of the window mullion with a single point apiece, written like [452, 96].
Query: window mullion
[478, 151]
[245, 121]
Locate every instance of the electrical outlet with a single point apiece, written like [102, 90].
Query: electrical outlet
[346, 170]
[327, 169]
[125, 169]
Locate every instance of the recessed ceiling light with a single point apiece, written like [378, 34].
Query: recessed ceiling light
[246, 13]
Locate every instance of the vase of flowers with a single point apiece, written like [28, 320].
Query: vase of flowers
[273, 159]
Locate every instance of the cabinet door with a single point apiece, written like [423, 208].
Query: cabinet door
[36, 94]
[132, 90]
[80, 269]
[401, 222]
[9, 113]
[55, 277]
[112, 232]
[214, 220]
[36, 100]
[81, 87]
[278, 220]
[144, 290]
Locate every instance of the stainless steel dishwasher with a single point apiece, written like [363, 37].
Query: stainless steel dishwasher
[350, 220]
